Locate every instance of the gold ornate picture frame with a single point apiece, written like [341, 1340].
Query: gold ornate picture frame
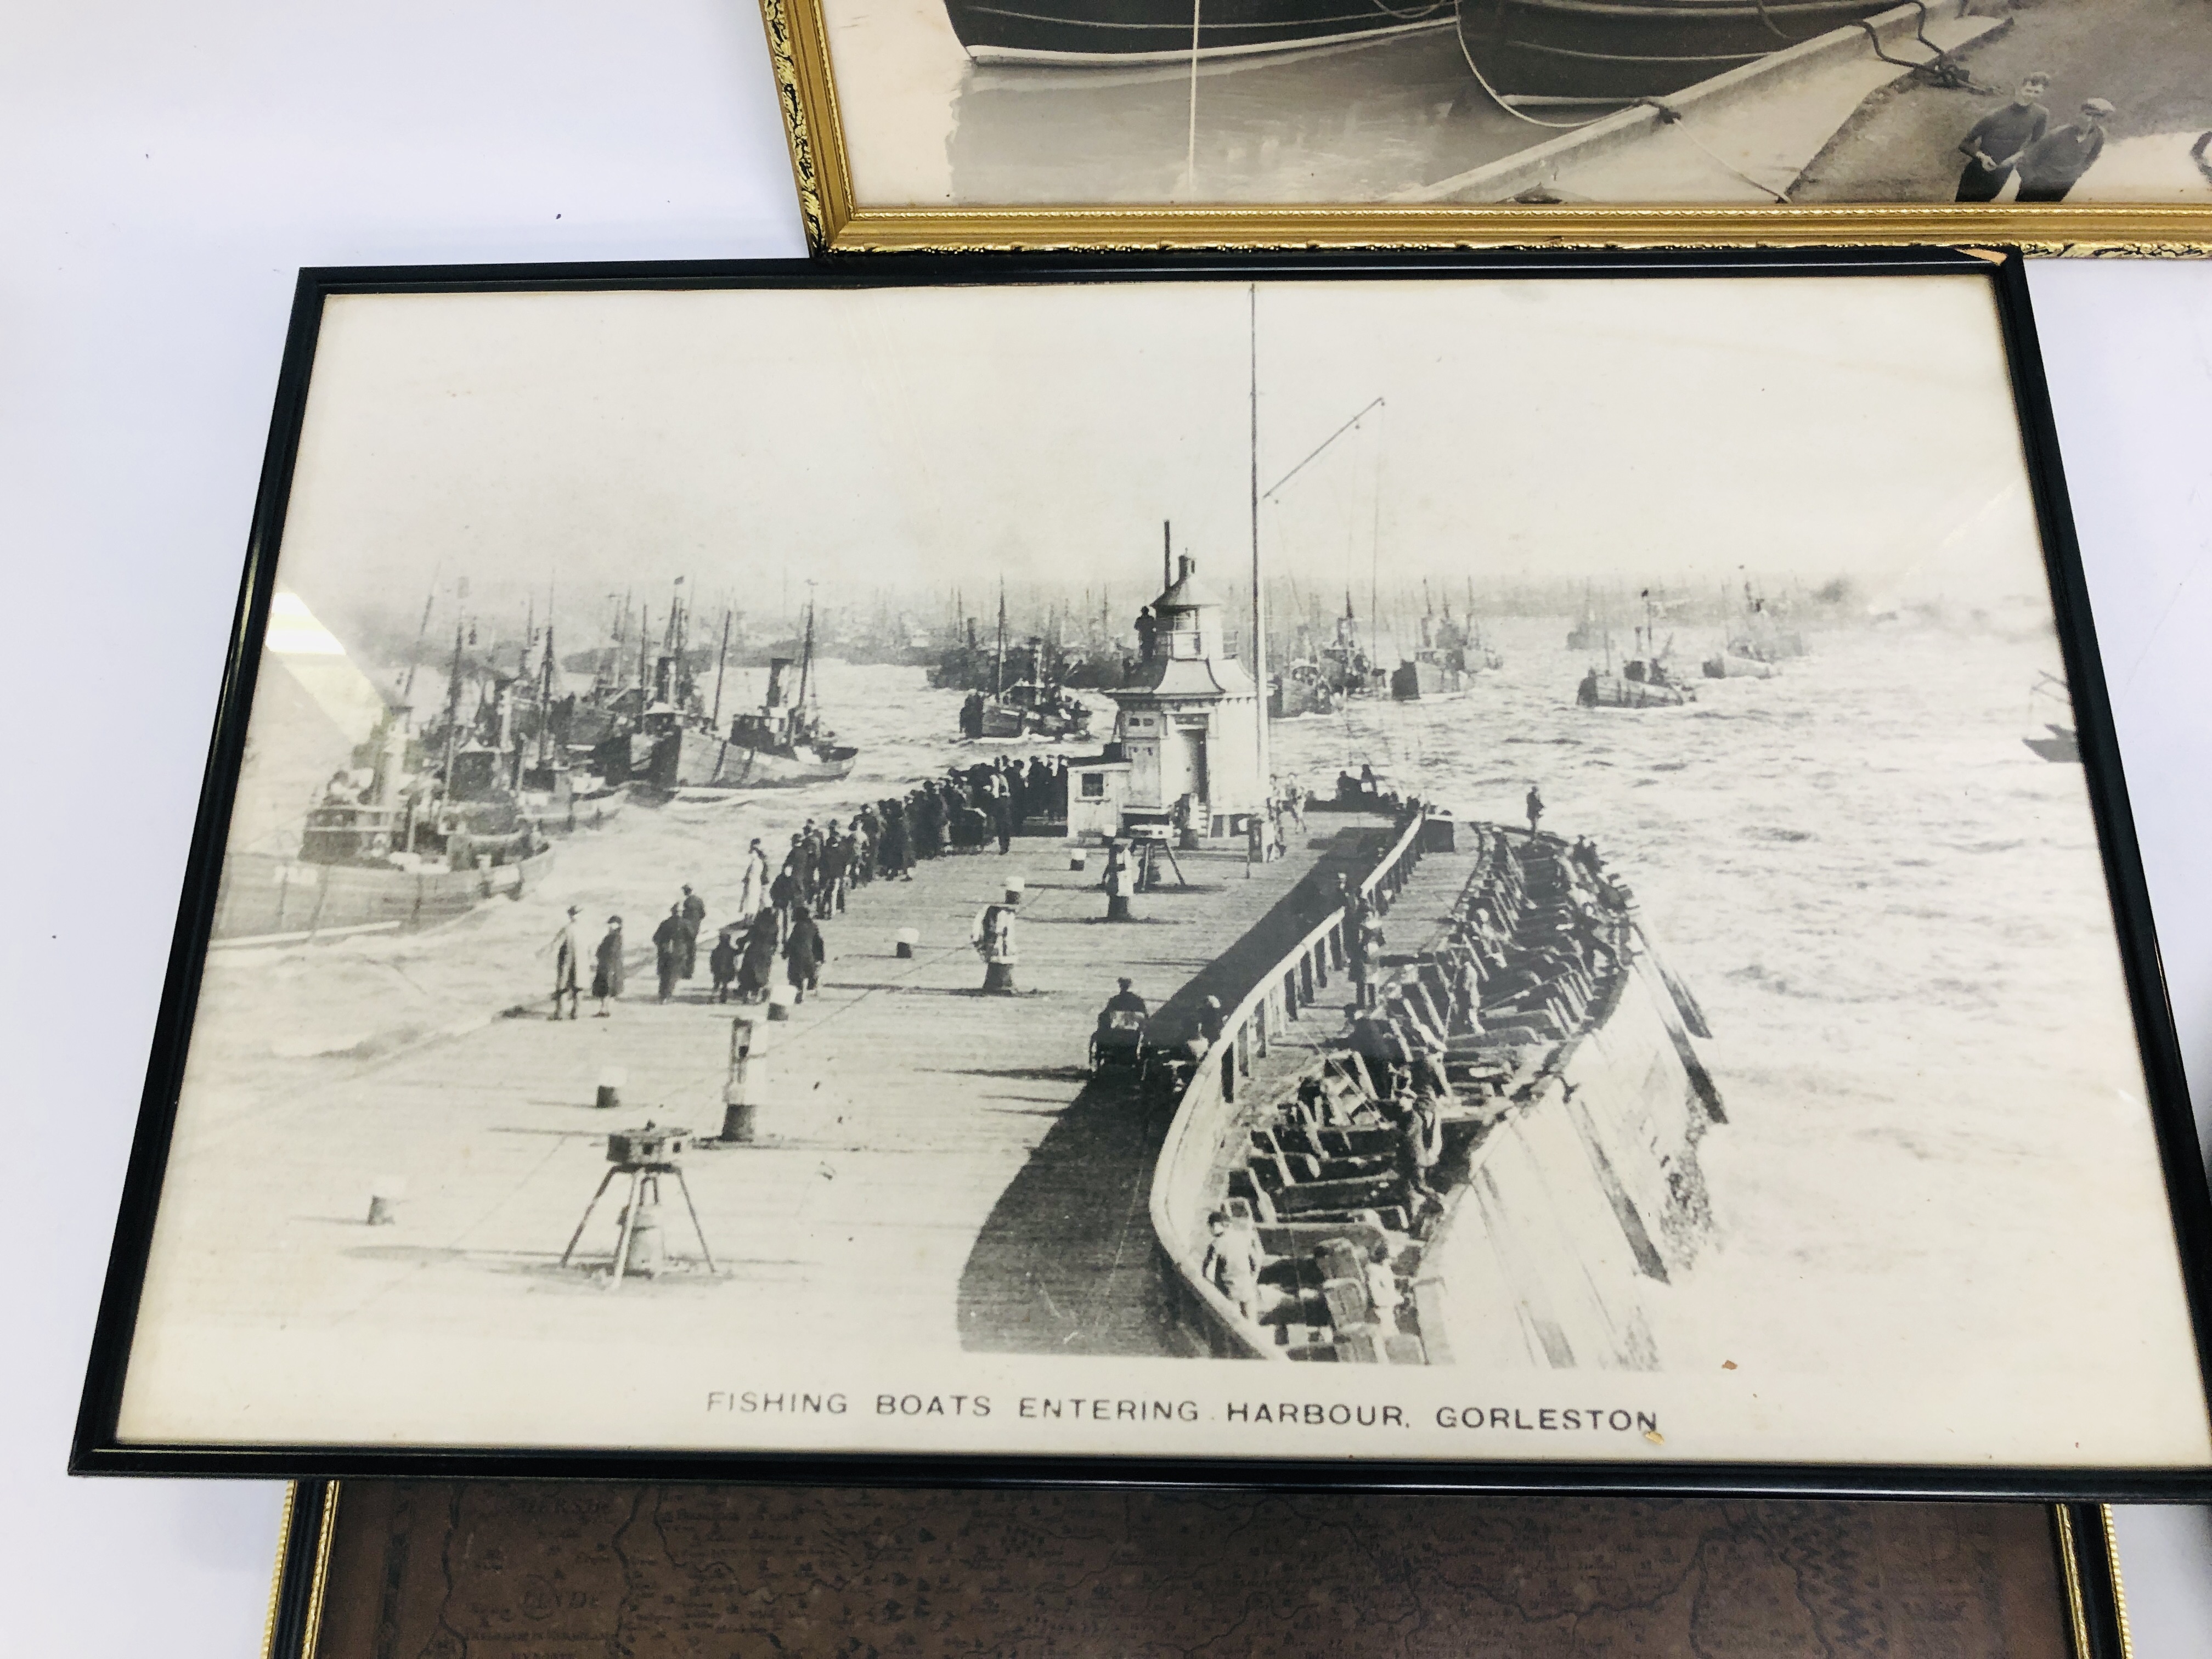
[1523, 209]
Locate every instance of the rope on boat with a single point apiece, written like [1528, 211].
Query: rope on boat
[1498, 97]
[1422, 16]
[1775, 29]
[1670, 115]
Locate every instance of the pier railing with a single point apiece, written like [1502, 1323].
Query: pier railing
[1209, 1118]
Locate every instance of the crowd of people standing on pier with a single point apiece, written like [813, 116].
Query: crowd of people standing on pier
[785, 895]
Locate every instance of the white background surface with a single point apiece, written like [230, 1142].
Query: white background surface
[164, 170]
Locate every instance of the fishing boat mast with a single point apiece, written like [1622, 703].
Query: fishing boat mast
[998, 670]
[721, 656]
[452, 707]
[545, 697]
[805, 655]
[415, 660]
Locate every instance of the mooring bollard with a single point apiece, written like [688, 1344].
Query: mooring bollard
[907, 939]
[384, 1195]
[1075, 857]
[747, 1082]
[780, 1000]
[612, 1079]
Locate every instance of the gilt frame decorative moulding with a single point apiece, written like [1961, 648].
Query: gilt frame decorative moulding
[839, 217]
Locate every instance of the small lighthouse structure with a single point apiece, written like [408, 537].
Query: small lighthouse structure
[1189, 728]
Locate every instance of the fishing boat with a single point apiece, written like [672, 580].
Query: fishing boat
[1756, 633]
[267, 900]
[1560, 1050]
[1725, 664]
[1074, 31]
[1632, 689]
[1345, 663]
[1644, 681]
[1449, 655]
[2059, 740]
[1028, 709]
[1300, 688]
[1540, 51]
[782, 745]
[1015, 703]
[386, 849]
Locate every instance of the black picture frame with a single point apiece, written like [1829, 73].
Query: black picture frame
[98, 1448]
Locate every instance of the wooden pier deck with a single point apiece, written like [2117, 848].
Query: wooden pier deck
[1416, 922]
[936, 1167]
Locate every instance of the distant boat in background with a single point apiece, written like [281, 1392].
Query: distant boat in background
[1606, 50]
[1589, 634]
[1070, 32]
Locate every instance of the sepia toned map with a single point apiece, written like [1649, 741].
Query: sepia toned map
[539, 1571]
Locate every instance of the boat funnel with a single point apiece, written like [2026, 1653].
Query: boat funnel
[775, 667]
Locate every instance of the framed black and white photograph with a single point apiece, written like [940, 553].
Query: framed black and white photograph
[2069, 125]
[1439, 870]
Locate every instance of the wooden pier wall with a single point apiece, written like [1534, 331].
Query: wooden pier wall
[1574, 1203]
[1211, 1112]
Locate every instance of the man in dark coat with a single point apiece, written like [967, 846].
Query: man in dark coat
[607, 967]
[722, 963]
[756, 962]
[1003, 810]
[836, 872]
[694, 911]
[1994, 144]
[806, 855]
[804, 953]
[668, 950]
[929, 822]
[894, 857]
[2054, 164]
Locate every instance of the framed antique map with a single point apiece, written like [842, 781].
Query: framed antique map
[2059, 125]
[1438, 871]
[403, 1570]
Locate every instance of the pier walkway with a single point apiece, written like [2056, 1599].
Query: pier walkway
[935, 1168]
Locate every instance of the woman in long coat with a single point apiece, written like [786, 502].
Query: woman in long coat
[804, 953]
[607, 967]
[752, 890]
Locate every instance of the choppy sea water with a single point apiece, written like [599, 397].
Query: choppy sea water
[1892, 912]
[1894, 915]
